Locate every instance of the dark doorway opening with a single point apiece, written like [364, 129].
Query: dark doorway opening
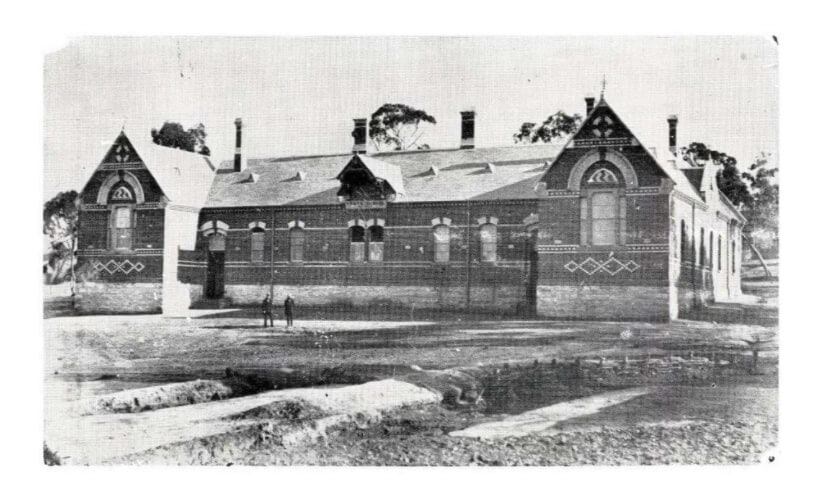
[214, 285]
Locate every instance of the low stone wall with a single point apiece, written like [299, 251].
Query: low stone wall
[499, 298]
[604, 302]
[104, 297]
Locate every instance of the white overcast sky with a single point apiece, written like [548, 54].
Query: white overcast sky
[299, 95]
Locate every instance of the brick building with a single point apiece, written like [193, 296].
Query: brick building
[600, 227]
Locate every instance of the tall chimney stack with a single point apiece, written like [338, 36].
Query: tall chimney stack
[590, 101]
[672, 122]
[359, 135]
[467, 129]
[237, 156]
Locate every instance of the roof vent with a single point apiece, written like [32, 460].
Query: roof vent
[433, 170]
[489, 168]
[300, 176]
[251, 178]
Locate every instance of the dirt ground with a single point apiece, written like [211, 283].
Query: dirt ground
[732, 420]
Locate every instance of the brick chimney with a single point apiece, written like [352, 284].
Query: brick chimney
[590, 101]
[467, 129]
[672, 122]
[359, 135]
[237, 156]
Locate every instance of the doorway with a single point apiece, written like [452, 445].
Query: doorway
[214, 285]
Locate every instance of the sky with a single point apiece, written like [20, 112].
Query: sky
[298, 96]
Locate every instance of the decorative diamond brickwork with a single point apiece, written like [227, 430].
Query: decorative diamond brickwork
[611, 266]
[126, 266]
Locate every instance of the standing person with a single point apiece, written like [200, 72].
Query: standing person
[267, 310]
[289, 303]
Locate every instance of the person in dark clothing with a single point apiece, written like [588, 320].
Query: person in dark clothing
[267, 310]
[289, 304]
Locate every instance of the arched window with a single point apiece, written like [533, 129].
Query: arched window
[357, 243]
[602, 206]
[297, 244]
[719, 252]
[122, 228]
[257, 244]
[441, 237]
[683, 241]
[488, 243]
[376, 243]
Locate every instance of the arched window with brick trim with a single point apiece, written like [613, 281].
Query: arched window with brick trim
[441, 237]
[257, 244]
[357, 243]
[297, 240]
[376, 243]
[602, 205]
[488, 242]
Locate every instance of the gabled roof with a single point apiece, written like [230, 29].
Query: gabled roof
[461, 175]
[385, 171]
[694, 175]
[184, 177]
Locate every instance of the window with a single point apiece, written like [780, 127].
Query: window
[488, 243]
[376, 244]
[603, 218]
[122, 235]
[216, 242]
[441, 240]
[356, 243]
[712, 262]
[702, 253]
[296, 244]
[683, 241]
[719, 252]
[733, 258]
[257, 245]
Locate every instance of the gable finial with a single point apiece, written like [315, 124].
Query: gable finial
[604, 83]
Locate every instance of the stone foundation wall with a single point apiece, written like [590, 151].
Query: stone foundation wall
[102, 297]
[604, 302]
[494, 298]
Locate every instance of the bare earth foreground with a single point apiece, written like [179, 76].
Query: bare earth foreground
[145, 389]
